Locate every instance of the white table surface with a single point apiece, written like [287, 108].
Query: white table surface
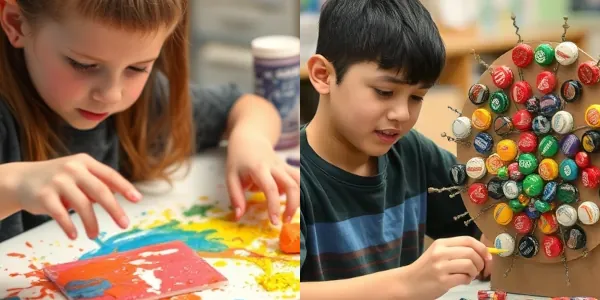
[204, 185]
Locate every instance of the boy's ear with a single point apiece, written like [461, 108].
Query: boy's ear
[11, 20]
[320, 73]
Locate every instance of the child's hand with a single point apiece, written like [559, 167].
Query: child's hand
[253, 164]
[447, 263]
[52, 187]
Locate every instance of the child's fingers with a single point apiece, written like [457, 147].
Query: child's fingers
[294, 172]
[292, 192]
[97, 191]
[264, 179]
[113, 179]
[58, 212]
[80, 203]
[236, 193]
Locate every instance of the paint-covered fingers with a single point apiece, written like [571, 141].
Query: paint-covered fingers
[112, 179]
[292, 190]
[70, 192]
[236, 194]
[50, 202]
[263, 177]
[98, 192]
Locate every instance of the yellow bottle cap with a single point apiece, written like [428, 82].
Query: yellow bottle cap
[481, 119]
[592, 115]
[507, 149]
[503, 214]
[548, 169]
[493, 163]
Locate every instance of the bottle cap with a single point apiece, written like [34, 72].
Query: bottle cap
[503, 173]
[507, 150]
[478, 193]
[547, 223]
[510, 189]
[493, 163]
[494, 188]
[481, 119]
[527, 142]
[566, 53]
[575, 238]
[533, 185]
[590, 177]
[522, 55]
[531, 211]
[461, 127]
[499, 102]
[549, 192]
[549, 105]
[588, 213]
[524, 199]
[520, 92]
[588, 73]
[479, 93]
[522, 223]
[590, 140]
[542, 206]
[502, 77]
[548, 146]
[483, 143]
[502, 125]
[515, 205]
[514, 173]
[582, 159]
[476, 168]
[458, 174]
[562, 122]
[503, 214]
[570, 145]
[566, 215]
[506, 242]
[567, 193]
[527, 163]
[546, 82]
[544, 54]
[528, 246]
[552, 246]
[548, 169]
[522, 120]
[571, 90]
[568, 170]
[533, 105]
[540, 125]
[592, 115]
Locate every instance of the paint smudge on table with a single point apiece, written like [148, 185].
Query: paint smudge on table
[28, 244]
[17, 255]
[198, 210]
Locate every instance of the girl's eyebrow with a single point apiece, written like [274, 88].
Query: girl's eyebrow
[100, 60]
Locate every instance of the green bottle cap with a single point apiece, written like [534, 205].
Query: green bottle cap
[548, 146]
[533, 185]
[516, 205]
[567, 193]
[544, 55]
[527, 163]
[503, 173]
[499, 102]
[542, 206]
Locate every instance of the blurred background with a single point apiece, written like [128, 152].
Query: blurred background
[483, 25]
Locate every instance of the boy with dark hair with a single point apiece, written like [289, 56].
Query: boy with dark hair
[365, 172]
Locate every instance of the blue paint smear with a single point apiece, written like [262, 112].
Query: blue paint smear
[91, 288]
[11, 298]
[137, 238]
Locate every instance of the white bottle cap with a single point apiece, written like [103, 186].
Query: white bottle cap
[588, 213]
[566, 53]
[275, 46]
[506, 242]
[461, 127]
[562, 122]
[476, 168]
[566, 215]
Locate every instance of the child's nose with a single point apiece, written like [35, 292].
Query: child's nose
[400, 112]
[109, 94]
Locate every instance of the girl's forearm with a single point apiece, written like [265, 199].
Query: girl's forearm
[254, 114]
[9, 204]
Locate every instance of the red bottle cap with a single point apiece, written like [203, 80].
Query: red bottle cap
[502, 77]
[553, 247]
[582, 159]
[514, 173]
[478, 193]
[522, 55]
[527, 143]
[522, 120]
[590, 177]
[522, 223]
[520, 92]
[588, 73]
[546, 82]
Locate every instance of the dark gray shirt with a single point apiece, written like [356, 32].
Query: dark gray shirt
[211, 107]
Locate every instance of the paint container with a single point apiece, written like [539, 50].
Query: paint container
[293, 161]
[277, 78]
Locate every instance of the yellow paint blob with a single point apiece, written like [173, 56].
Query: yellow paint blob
[220, 263]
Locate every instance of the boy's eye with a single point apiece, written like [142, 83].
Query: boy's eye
[383, 93]
[416, 98]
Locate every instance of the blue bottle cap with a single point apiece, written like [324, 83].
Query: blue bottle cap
[568, 169]
[549, 192]
[541, 125]
[549, 105]
[483, 143]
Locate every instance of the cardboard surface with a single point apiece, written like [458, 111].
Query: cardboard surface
[539, 275]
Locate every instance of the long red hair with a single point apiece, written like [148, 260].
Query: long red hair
[139, 136]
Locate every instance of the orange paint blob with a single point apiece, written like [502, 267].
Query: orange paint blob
[28, 245]
[289, 238]
[13, 254]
